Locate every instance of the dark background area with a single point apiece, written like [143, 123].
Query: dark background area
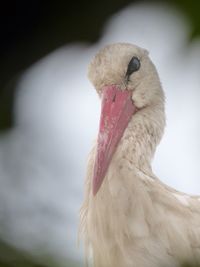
[29, 30]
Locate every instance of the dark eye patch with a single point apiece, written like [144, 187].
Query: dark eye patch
[133, 66]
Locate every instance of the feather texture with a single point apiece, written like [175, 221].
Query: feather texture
[135, 220]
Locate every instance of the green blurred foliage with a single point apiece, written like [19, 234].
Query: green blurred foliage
[191, 10]
[13, 257]
[190, 265]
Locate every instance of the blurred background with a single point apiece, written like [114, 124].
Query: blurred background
[49, 112]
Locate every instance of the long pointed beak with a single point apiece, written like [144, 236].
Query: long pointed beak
[116, 111]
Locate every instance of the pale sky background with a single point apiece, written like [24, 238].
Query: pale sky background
[43, 159]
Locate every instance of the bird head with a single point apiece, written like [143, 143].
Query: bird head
[128, 83]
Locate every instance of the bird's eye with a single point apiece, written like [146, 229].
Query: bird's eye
[133, 66]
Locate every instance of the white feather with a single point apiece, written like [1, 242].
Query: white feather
[135, 220]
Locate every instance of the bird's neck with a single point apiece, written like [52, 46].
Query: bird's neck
[132, 159]
[109, 214]
[138, 145]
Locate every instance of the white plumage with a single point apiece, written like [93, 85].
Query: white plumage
[134, 220]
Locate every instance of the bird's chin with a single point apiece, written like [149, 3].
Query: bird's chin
[117, 110]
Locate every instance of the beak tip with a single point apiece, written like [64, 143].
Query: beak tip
[95, 186]
[94, 193]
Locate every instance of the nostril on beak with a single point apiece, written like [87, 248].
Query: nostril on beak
[114, 97]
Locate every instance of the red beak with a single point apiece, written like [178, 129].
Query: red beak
[116, 111]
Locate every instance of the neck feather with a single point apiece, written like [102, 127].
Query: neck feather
[141, 138]
[105, 215]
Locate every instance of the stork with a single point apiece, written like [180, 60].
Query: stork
[129, 218]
